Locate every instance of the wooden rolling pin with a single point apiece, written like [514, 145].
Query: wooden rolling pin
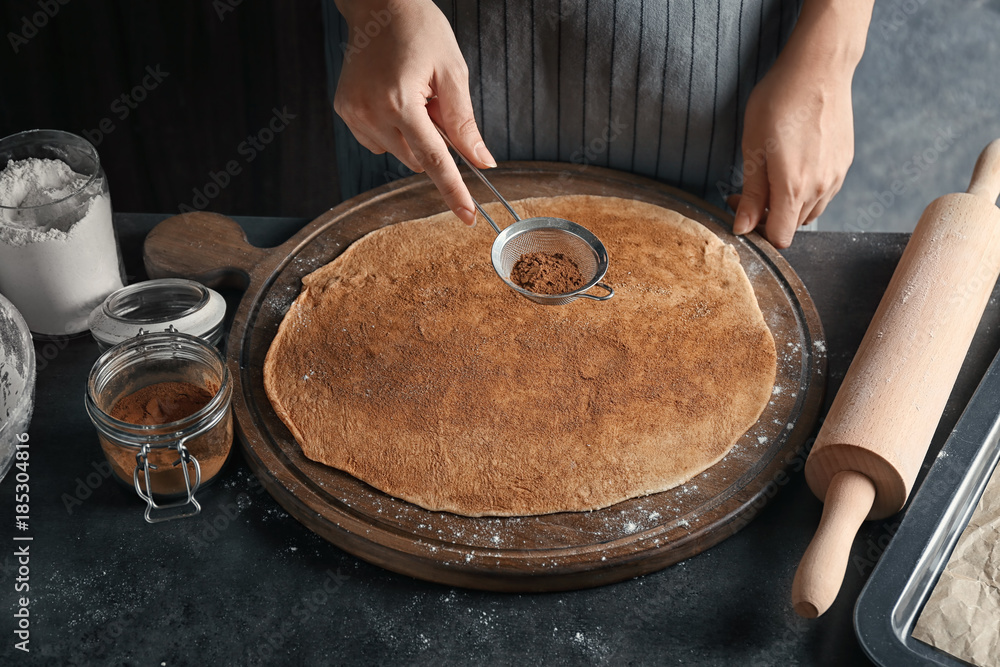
[875, 437]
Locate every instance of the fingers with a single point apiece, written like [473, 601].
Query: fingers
[396, 144]
[824, 200]
[432, 154]
[451, 109]
[820, 206]
[782, 219]
[780, 207]
[790, 212]
[754, 200]
[417, 144]
[367, 141]
[733, 201]
[383, 97]
[393, 143]
[777, 227]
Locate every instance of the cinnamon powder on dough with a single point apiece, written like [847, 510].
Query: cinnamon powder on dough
[437, 385]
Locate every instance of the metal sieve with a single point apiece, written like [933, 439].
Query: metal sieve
[548, 235]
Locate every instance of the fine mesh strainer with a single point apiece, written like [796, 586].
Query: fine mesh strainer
[548, 235]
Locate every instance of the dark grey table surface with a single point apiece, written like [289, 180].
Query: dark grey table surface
[244, 583]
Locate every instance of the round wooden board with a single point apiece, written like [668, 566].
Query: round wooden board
[540, 553]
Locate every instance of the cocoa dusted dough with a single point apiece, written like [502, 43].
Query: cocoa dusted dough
[407, 363]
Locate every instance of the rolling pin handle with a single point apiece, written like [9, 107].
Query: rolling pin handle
[821, 571]
[985, 181]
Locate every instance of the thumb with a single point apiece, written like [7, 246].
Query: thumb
[753, 202]
[452, 111]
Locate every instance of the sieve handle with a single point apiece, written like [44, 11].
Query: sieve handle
[487, 216]
[478, 173]
[603, 297]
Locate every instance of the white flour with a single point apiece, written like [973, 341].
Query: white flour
[58, 259]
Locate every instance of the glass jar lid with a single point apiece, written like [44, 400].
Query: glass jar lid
[159, 305]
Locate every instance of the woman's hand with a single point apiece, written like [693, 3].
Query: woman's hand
[798, 136]
[395, 81]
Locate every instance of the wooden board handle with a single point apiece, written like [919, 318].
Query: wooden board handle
[985, 181]
[202, 246]
[821, 571]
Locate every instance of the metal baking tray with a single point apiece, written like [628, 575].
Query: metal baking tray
[891, 601]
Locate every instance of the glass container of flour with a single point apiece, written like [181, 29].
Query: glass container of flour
[59, 256]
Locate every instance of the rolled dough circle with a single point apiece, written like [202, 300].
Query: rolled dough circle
[407, 363]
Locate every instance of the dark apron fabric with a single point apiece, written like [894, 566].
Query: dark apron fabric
[654, 88]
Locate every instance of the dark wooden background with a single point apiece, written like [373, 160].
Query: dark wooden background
[229, 64]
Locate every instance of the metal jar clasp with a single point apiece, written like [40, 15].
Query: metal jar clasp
[175, 510]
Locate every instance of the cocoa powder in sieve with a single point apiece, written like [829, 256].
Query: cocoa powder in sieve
[546, 273]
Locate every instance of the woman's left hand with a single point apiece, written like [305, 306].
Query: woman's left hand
[798, 136]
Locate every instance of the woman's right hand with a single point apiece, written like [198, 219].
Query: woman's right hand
[399, 78]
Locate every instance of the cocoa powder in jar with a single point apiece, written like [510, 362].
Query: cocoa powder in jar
[164, 403]
[161, 403]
